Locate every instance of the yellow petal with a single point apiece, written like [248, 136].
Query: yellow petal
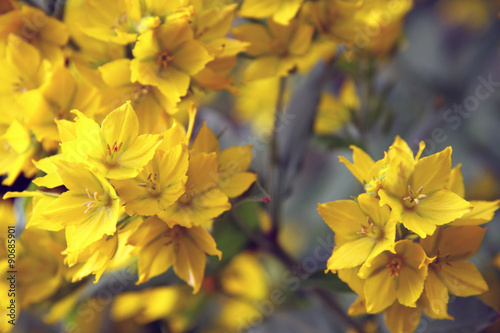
[436, 295]
[442, 207]
[235, 185]
[459, 243]
[191, 57]
[351, 254]
[463, 279]
[343, 217]
[235, 159]
[287, 11]
[400, 318]
[257, 35]
[205, 141]
[380, 291]
[482, 212]
[190, 264]
[456, 182]
[21, 55]
[259, 8]
[361, 166]
[116, 73]
[432, 172]
[121, 125]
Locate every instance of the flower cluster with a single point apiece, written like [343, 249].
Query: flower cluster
[118, 179]
[402, 246]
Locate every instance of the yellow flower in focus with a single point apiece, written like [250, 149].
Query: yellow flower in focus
[334, 112]
[159, 247]
[115, 149]
[449, 271]
[88, 210]
[281, 11]
[416, 191]
[166, 57]
[362, 229]
[277, 49]
[158, 185]
[397, 276]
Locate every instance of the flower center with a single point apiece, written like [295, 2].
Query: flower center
[395, 264]
[152, 184]
[163, 58]
[436, 264]
[279, 48]
[173, 235]
[140, 91]
[96, 201]
[371, 230]
[111, 150]
[413, 199]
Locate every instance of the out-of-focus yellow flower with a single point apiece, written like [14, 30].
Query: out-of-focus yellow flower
[256, 104]
[474, 15]
[40, 273]
[372, 25]
[334, 112]
[45, 33]
[16, 151]
[449, 271]
[395, 277]
[159, 247]
[152, 304]
[281, 11]
[115, 149]
[54, 100]
[232, 162]
[277, 49]
[202, 201]
[362, 229]
[166, 57]
[148, 102]
[158, 185]
[211, 26]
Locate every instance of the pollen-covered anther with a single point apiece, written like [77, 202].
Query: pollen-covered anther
[395, 266]
[163, 58]
[413, 200]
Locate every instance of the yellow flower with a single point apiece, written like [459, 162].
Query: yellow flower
[415, 189]
[22, 71]
[45, 33]
[39, 264]
[482, 211]
[281, 11]
[59, 94]
[114, 150]
[158, 185]
[211, 26]
[16, 151]
[166, 57]
[232, 162]
[362, 229]
[397, 276]
[148, 102]
[88, 210]
[159, 247]
[367, 25]
[400, 318]
[277, 49]
[449, 271]
[202, 201]
[145, 306]
[335, 112]
[256, 103]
